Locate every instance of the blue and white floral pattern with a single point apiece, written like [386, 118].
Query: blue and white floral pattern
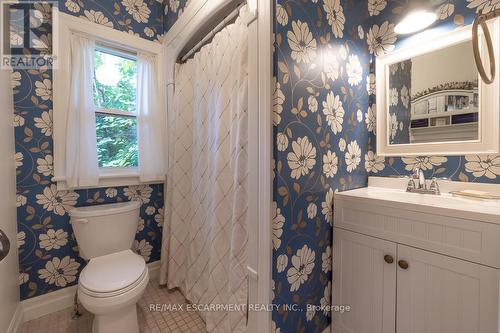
[325, 134]
[399, 102]
[173, 10]
[143, 18]
[320, 121]
[48, 253]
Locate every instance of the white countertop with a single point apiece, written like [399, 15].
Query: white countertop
[391, 192]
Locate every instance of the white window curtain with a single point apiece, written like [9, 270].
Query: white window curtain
[150, 124]
[82, 169]
[205, 232]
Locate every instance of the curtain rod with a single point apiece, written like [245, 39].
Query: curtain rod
[229, 18]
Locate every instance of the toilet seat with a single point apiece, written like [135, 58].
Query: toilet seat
[114, 293]
[112, 275]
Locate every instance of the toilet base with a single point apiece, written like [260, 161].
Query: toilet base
[122, 321]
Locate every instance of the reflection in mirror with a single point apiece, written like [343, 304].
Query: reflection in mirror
[434, 97]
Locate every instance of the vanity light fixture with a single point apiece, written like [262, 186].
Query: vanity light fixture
[415, 21]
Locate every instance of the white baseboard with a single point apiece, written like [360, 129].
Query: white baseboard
[17, 320]
[40, 306]
[154, 271]
[43, 305]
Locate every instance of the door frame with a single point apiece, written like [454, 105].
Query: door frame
[11, 315]
[189, 28]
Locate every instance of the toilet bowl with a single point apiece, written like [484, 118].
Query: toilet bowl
[114, 278]
[109, 287]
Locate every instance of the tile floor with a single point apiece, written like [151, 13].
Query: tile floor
[149, 321]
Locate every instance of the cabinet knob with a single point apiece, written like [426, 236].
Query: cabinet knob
[403, 264]
[388, 259]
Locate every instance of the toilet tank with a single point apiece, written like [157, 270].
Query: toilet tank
[105, 229]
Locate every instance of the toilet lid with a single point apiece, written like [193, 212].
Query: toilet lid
[112, 272]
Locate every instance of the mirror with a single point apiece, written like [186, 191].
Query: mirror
[434, 97]
[433, 101]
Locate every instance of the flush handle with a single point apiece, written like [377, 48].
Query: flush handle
[4, 245]
[388, 259]
[403, 264]
[84, 221]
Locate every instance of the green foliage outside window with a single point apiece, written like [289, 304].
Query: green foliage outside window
[115, 89]
[116, 141]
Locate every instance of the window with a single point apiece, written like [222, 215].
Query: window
[115, 90]
[128, 85]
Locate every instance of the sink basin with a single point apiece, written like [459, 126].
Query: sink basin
[444, 200]
[392, 192]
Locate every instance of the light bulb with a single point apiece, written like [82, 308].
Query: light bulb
[415, 21]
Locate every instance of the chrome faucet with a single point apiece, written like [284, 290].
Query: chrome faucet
[420, 177]
[417, 184]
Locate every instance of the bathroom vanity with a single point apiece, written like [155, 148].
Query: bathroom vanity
[408, 256]
[413, 263]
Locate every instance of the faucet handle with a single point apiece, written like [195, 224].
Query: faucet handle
[411, 185]
[434, 186]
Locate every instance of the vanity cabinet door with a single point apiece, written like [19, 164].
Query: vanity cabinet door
[440, 294]
[364, 277]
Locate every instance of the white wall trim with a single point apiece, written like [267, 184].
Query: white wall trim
[265, 135]
[109, 180]
[127, 41]
[9, 266]
[154, 270]
[198, 13]
[17, 320]
[58, 300]
[40, 306]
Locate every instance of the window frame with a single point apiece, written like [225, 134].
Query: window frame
[108, 39]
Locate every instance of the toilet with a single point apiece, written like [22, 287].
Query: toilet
[115, 278]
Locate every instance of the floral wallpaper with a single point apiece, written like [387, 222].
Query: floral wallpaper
[324, 115]
[451, 14]
[321, 125]
[143, 18]
[324, 131]
[400, 102]
[173, 10]
[48, 253]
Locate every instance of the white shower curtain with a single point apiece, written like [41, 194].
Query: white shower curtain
[205, 234]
